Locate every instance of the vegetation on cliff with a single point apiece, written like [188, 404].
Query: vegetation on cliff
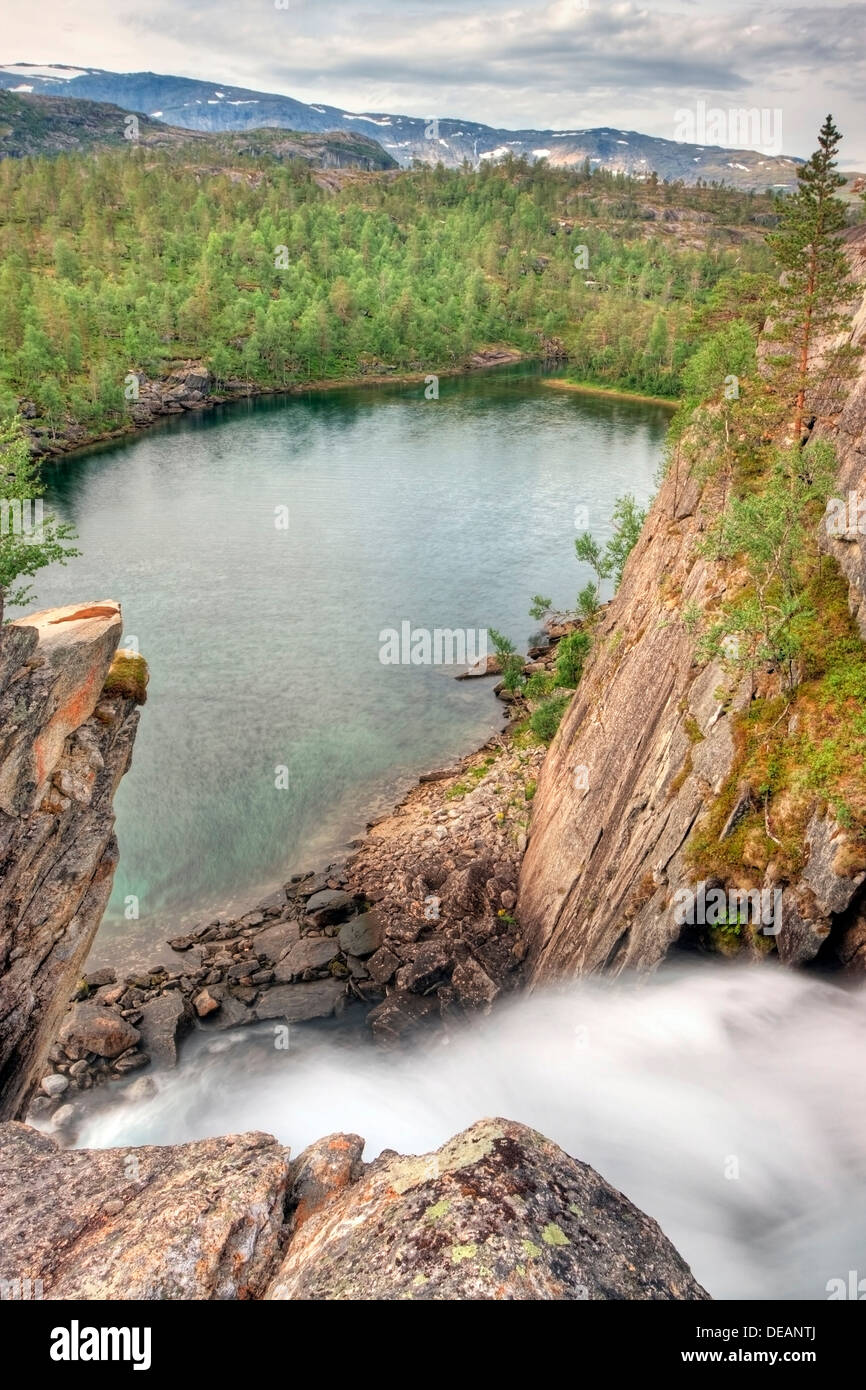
[784, 621]
[29, 539]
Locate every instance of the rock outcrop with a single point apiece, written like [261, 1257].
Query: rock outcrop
[188, 1221]
[846, 429]
[65, 741]
[648, 742]
[499, 1212]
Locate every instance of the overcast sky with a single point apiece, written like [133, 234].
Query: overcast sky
[516, 63]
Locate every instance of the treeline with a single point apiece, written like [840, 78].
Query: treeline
[134, 259]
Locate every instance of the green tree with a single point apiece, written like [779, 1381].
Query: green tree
[816, 275]
[29, 540]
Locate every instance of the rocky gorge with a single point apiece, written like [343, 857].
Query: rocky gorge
[499, 1212]
[479, 881]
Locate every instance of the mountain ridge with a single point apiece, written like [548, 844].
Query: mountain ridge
[213, 107]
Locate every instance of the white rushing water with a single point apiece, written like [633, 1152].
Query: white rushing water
[727, 1102]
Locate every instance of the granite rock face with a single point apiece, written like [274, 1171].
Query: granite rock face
[187, 1221]
[499, 1212]
[64, 745]
[846, 430]
[648, 740]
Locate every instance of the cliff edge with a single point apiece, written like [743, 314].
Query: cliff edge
[66, 736]
[649, 742]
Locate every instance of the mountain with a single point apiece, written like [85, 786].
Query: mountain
[214, 107]
[49, 125]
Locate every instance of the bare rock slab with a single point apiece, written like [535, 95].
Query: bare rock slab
[299, 1002]
[192, 1221]
[499, 1212]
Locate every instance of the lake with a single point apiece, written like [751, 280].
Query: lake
[260, 550]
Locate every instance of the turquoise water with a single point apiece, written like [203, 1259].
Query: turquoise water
[264, 643]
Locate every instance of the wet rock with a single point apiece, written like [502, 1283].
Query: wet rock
[401, 1014]
[499, 1212]
[322, 1171]
[163, 1022]
[274, 903]
[274, 941]
[91, 1028]
[432, 963]
[310, 953]
[232, 1012]
[473, 987]
[362, 935]
[55, 1084]
[803, 930]
[299, 1002]
[851, 949]
[329, 905]
[197, 1221]
[141, 1089]
[382, 965]
[131, 1061]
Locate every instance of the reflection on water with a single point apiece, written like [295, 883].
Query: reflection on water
[263, 643]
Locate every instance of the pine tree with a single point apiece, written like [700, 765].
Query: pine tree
[816, 276]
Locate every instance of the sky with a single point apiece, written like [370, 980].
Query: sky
[566, 64]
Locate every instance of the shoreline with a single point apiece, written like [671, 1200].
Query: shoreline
[618, 393]
[483, 360]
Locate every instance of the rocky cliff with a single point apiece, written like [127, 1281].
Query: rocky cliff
[67, 723]
[498, 1212]
[648, 743]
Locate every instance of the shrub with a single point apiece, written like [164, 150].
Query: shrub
[570, 657]
[544, 721]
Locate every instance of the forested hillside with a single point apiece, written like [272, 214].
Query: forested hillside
[131, 260]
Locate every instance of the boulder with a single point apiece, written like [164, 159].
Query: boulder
[56, 1083]
[310, 953]
[163, 1022]
[499, 1212]
[432, 963]
[328, 906]
[204, 1003]
[382, 965]
[189, 1221]
[473, 986]
[273, 941]
[91, 1028]
[400, 1014]
[362, 935]
[300, 1002]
